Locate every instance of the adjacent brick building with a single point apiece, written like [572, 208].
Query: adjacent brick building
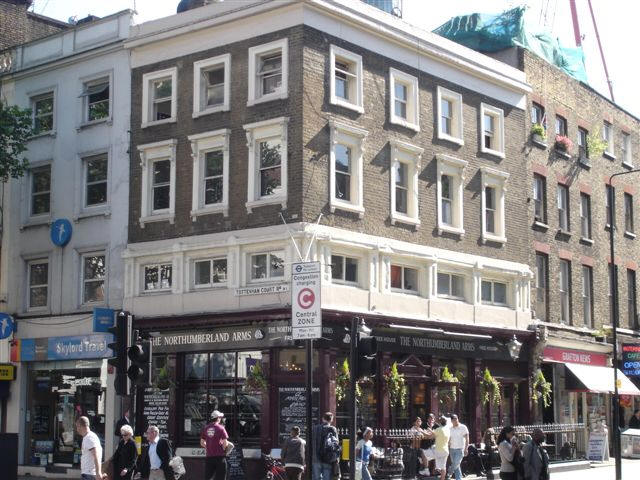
[18, 25]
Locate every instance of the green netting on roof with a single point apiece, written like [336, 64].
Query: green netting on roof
[491, 33]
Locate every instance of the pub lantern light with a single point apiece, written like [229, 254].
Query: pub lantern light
[514, 347]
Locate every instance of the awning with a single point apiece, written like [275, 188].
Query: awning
[600, 379]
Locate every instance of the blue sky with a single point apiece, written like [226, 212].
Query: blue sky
[617, 20]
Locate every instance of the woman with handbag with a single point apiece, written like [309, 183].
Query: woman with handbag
[125, 457]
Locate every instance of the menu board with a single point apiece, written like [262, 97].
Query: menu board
[156, 409]
[235, 470]
[292, 403]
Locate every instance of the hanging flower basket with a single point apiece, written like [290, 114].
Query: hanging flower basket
[448, 386]
[489, 389]
[542, 389]
[343, 382]
[563, 144]
[256, 379]
[538, 133]
[396, 387]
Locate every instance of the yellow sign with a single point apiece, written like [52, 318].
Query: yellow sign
[138, 440]
[7, 372]
[345, 449]
[619, 383]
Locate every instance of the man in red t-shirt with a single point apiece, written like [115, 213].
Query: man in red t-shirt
[214, 440]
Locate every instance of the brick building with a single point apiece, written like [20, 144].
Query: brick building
[410, 148]
[18, 25]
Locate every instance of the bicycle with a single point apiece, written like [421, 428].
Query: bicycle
[274, 468]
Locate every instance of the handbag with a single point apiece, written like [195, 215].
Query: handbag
[359, 468]
[229, 448]
[177, 465]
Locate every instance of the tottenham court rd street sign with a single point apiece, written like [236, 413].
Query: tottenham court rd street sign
[306, 313]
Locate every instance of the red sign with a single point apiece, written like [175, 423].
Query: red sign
[565, 355]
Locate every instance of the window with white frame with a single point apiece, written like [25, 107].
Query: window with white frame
[607, 136]
[158, 277]
[540, 198]
[405, 166]
[158, 161]
[450, 286]
[96, 98]
[404, 279]
[493, 205]
[210, 153]
[565, 291]
[38, 284]
[344, 269]
[94, 274]
[561, 126]
[585, 216]
[537, 115]
[268, 71]
[494, 293]
[96, 169]
[627, 154]
[40, 191]
[587, 295]
[346, 79]
[450, 122]
[211, 85]
[564, 224]
[450, 194]
[210, 272]
[43, 114]
[492, 125]
[346, 168]
[159, 97]
[266, 266]
[404, 99]
[267, 178]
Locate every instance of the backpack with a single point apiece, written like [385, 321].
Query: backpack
[329, 446]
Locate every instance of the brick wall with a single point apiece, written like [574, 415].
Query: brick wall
[581, 106]
[18, 26]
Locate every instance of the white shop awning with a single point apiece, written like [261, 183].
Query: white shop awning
[600, 379]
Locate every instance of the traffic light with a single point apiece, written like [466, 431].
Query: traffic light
[367, 365]
[121, 338]
[141, 369]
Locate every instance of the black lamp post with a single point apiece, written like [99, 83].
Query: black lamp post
[616, 312]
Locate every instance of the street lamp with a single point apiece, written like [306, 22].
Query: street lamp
[514, 347]
[614, 298]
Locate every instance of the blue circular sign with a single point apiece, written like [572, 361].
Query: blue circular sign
[7, 326]
[61, 232]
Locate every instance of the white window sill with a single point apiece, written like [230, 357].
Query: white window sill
[104, 211]
[211, 210]
[495, 153]
[629, 234]
[209, 111]
[160, 217]
[35, 311]
[50, 133]
[266, 281]
[450, 229]
[272, 200]
[36, 222]
[400, 218]
[400, 291]
[209, 287]
[158, 122]
[540, 225]
[156, 291]
[84, 125]
[627, 165]
[588, 241]
[449, 138]
[451, 299]
[493, 238]
[609, 155]
[348, 207]
[539, 142]
[496, 305]
[345, 104]
[86, 305]
[563, 154]
[344, 283]
[404, 123]
[565, 233]
[268, 98]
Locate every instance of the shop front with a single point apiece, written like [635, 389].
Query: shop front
[66, 377]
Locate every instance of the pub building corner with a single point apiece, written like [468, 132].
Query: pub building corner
[202, 363]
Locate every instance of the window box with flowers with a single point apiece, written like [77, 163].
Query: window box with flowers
[563, 146]
[539, 135]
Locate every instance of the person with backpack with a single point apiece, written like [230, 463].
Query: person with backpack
[156, 457]
[326, 449]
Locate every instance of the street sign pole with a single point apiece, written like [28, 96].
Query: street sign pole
[309, 450]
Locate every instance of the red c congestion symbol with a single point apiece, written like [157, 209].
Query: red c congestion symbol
[306, 298]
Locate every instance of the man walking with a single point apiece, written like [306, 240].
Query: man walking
[458, 445]
[214, 439]
[91, 459]
[326, 448]
[156, 457]
[536, 458]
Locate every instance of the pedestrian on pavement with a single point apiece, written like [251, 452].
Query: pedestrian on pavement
[214, 439]
[458, 446]
[123, 421]
[364, 452]
[125, 457]
[418, 435]
[441, 435]
[634, 421]
[292, 455]
[507, 447]
[91, 459]
[326, 449]
[536, 458]
[156, 457]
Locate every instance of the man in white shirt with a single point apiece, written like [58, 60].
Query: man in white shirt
[458, 445]
[90, 461]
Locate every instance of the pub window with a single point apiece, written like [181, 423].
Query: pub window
[216, 381]
[294, 360]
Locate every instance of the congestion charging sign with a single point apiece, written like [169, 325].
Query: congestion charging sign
[306, 312]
